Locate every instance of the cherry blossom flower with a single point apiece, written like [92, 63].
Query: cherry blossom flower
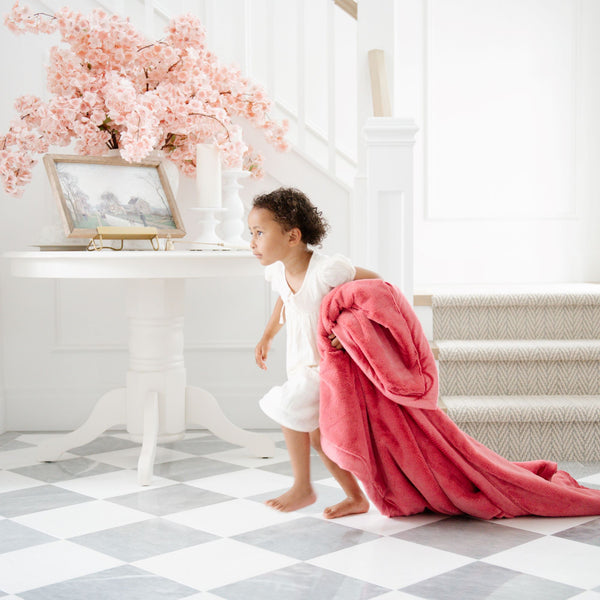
[113, 88]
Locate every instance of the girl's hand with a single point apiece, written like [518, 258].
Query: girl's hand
[261, 352]
[335, 342]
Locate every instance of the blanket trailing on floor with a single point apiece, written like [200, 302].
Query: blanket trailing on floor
[379, 419]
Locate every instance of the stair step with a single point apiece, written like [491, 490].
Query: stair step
[531, 427]
[519, 367]
[559, 312]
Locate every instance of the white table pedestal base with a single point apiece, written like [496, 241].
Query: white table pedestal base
[156, 405]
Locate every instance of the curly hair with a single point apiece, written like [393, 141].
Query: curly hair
[292, 208]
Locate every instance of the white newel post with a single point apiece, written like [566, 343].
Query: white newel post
[387, 209]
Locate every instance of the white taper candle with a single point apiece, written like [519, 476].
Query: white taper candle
[208, 176]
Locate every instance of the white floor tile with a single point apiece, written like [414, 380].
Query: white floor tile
[45, 564]
[215, 564]
[128, 458]
[592, 479]
[240, 457]
[395, 595]
[583, 596]
[375, 522]
[545, 526]
[9, 482]
[554, 558]
[232, 518]
[243, 484]
[108, 485]
[390, 562]
[79, 519]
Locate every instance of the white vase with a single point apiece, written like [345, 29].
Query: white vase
[232, 224]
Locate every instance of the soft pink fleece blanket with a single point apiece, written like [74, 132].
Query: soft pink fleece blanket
[379, 419]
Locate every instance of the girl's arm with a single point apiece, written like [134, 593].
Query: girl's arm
[365, 274]
[264, 345]
[360, 274]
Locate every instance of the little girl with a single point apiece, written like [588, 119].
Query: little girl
[283, 225]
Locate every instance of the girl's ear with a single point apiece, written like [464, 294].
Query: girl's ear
[295, 236]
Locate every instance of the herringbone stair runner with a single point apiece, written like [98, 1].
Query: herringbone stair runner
[520, 372]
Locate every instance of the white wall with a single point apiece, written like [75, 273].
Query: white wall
[505, 93]
[64, 343]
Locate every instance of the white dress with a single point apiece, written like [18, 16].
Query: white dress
[295, 404]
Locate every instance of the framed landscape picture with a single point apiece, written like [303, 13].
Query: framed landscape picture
[95, 191]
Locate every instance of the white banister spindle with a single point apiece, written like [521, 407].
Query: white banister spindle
[331, 97]
[149, 19]
[301, 70]
[247, 39]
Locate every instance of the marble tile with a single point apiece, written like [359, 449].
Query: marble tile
[13, 481]
[300, 582]
[240, 456]
[479, 580]
[128, 458]
[556, 559]
[390, 563]
[41, 497]
[64, 469]
[115, 483]
[200, 445]
[231, 518]
[120, 583]
[291, 539]
[469, 537]
[375, 522]
[249, 482]
[169, 499]
[105, 443]
[143, 539]
[46, 564]
[69, 521]
[193, 468]
[543, 525]
[215, 564]
[588, 533]
[14, 536]
[317, 469]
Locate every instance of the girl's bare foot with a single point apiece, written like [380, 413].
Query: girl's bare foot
[294, 499]
[349, 506]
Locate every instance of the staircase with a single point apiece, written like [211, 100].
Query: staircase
[520, 370]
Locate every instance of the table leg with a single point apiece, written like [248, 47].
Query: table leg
[203, 409]
[108, 412]
[148, 453]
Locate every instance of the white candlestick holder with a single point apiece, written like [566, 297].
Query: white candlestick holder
[232, 223]
[205, 225]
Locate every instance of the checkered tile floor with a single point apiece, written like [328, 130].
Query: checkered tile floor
[83, 528]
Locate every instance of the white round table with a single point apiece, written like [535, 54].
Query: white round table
[156, 405]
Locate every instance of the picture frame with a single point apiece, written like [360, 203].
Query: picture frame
[101, 191]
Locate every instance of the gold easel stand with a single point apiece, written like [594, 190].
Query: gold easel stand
[123, 233]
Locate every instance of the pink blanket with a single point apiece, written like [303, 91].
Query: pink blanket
[379, 419]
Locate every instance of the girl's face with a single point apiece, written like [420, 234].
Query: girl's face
[269, 242]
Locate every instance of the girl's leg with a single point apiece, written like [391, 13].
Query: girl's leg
[301, 493]
[355, 501]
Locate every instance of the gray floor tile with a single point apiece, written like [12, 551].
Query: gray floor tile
[105, 443]
[479, 580]
[8, 442]
[201, 445]
[43, 497]
[588, 533]
[170, 499]
[300, 582]
[193, 468]
[469, 537]
[14, 536]
[63, 470]
[291, 538]
[143, 539]
[317, 469]
[120, 583]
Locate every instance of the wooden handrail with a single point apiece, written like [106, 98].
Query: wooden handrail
[349, 6]
[380, 91]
